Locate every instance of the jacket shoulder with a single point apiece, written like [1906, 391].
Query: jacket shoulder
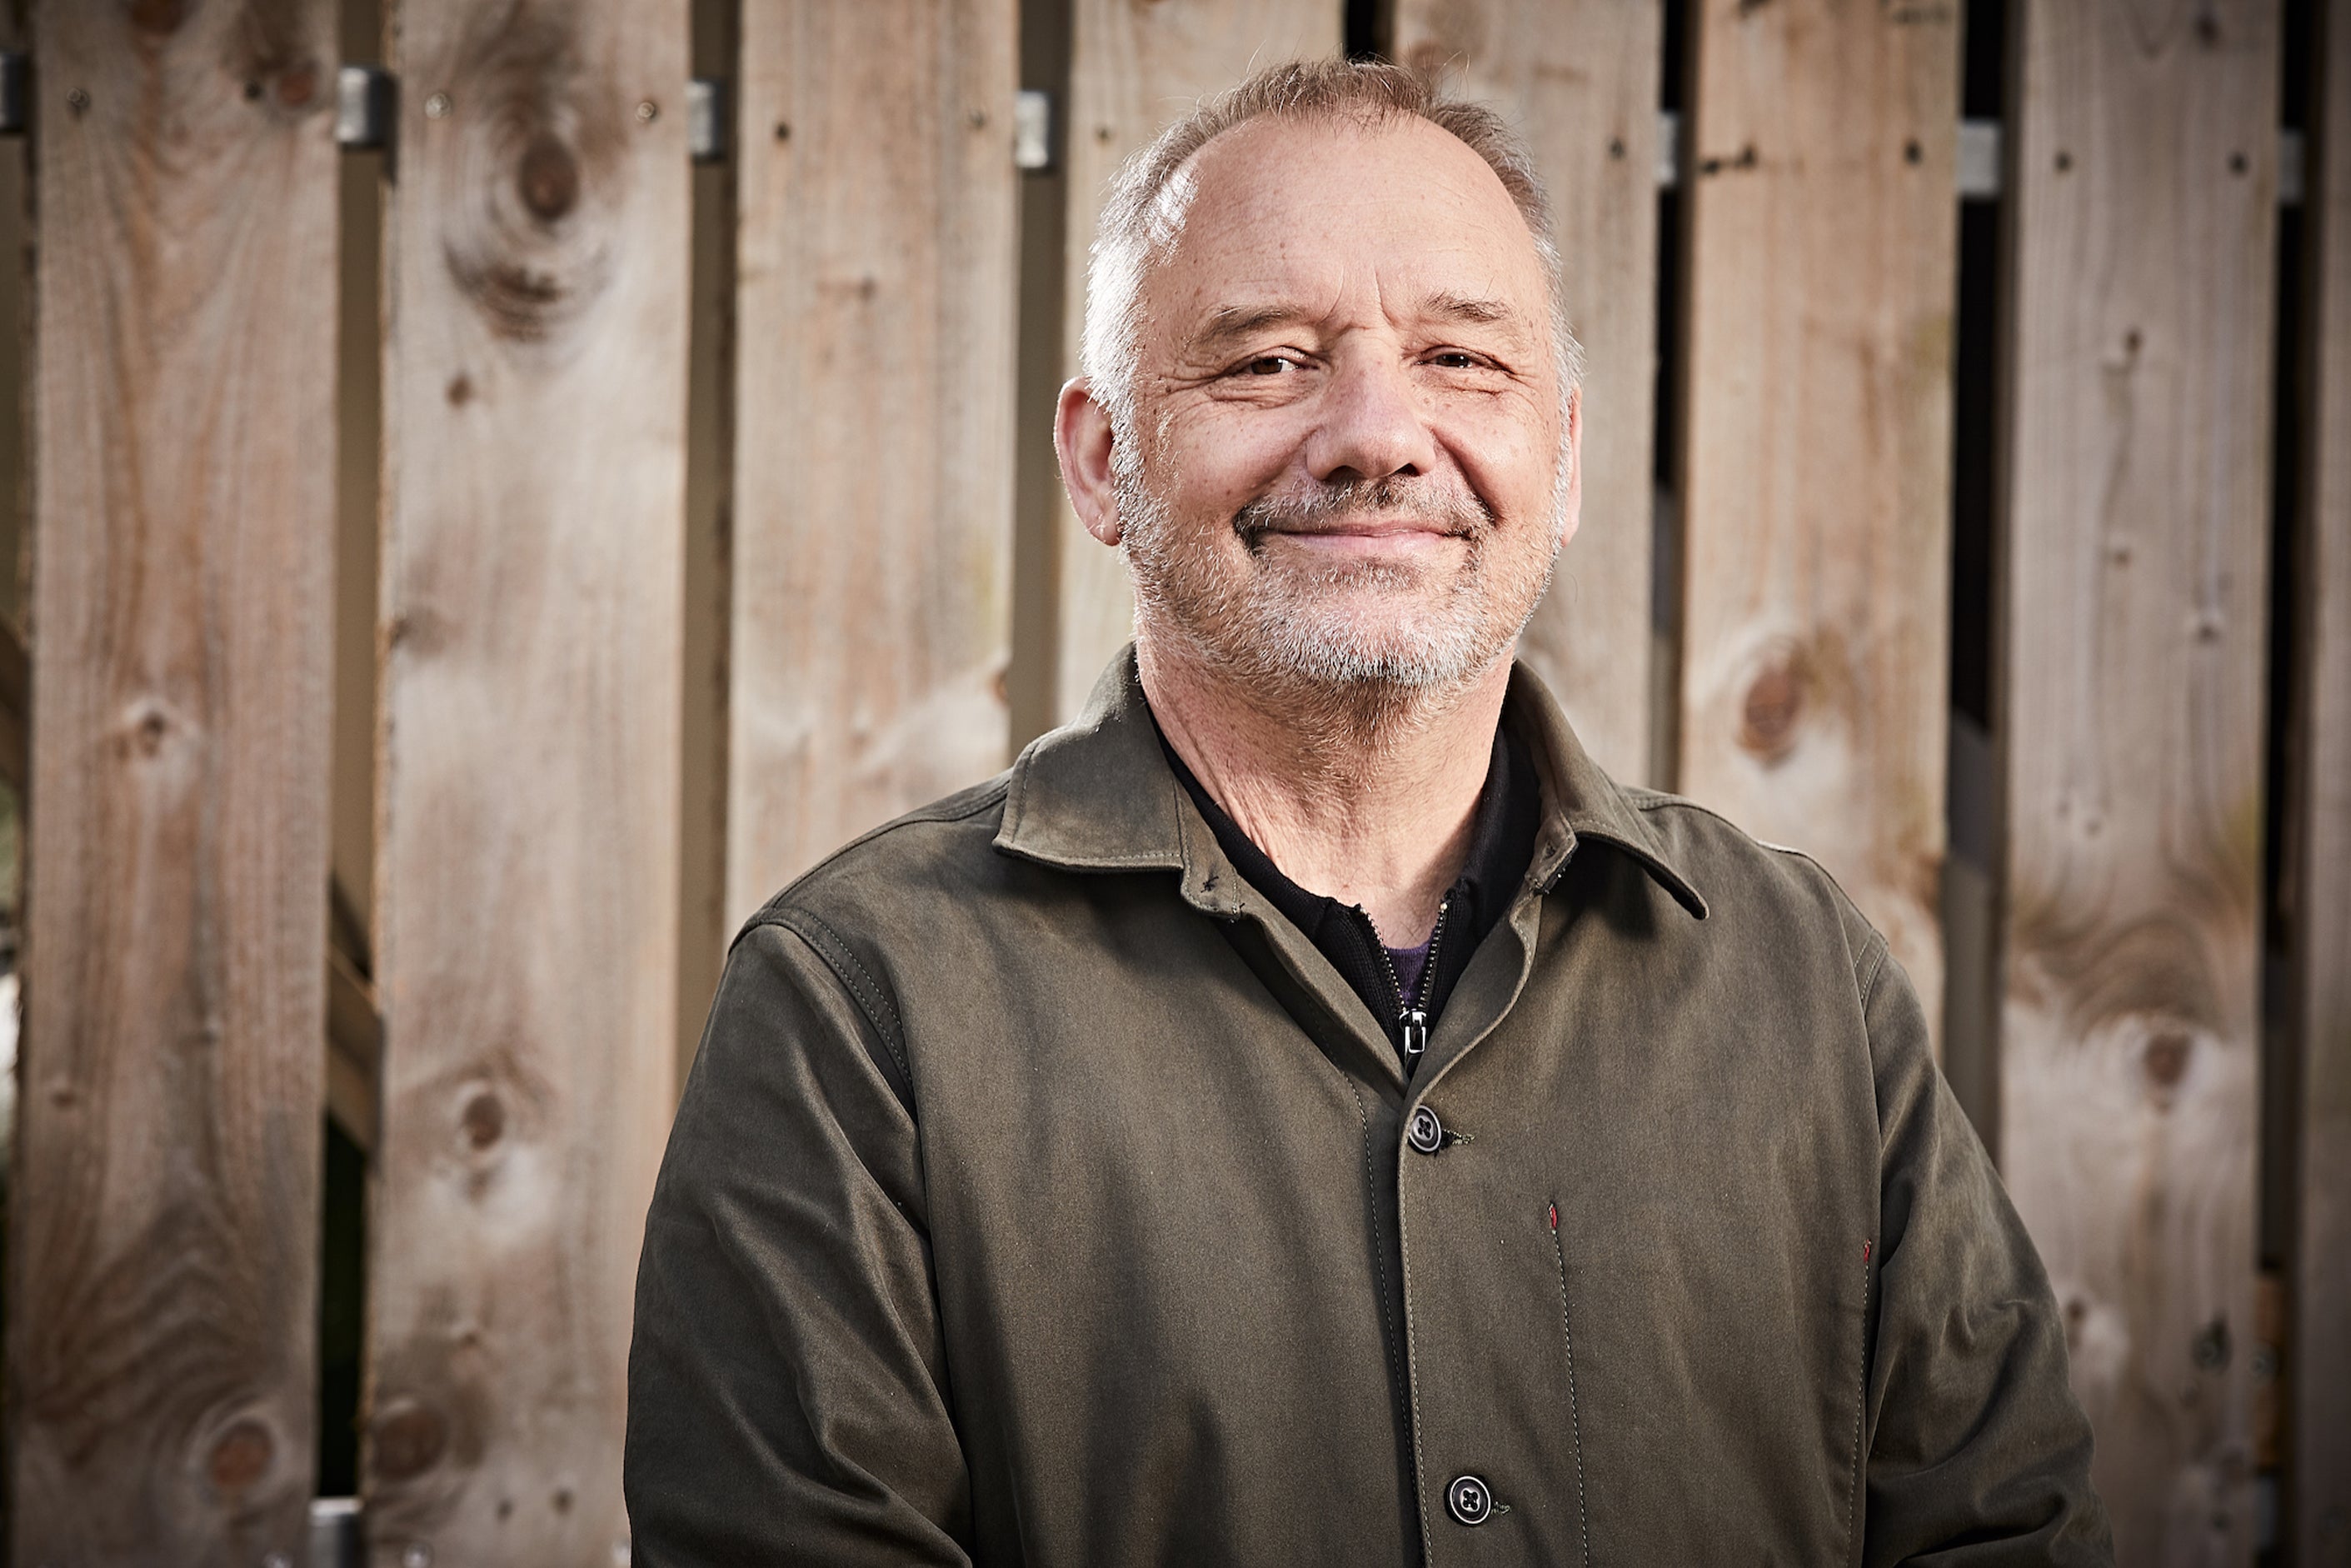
[1763, 886]
[949, 841]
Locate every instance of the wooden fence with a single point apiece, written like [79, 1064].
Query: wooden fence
[552, 545]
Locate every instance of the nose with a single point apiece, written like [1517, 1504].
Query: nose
[1372, 426]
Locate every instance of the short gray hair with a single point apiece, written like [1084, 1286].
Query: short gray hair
[1138, 220]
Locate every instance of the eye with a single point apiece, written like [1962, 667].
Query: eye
[1267, 365]
[1454, 360]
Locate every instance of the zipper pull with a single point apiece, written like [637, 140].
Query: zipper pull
[1415, 1032]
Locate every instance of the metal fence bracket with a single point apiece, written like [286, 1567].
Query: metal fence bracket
[706, 119]
[364, 101]
[1033, 131]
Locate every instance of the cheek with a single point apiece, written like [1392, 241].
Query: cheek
[1218, 459]
[1509, 455]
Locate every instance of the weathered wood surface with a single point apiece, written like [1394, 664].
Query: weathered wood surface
[2318, 1395]
[1816, 522]
[1134, 68]
[537, 260]
[1580, 78]
[873, 528]
[2145, 177]
[164, 1233]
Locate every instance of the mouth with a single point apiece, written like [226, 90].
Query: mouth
[1360, 520]
[1364, 539]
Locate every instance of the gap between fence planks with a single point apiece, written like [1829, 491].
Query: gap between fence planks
[1134, 68]
[164, 1267]
[2145, 177]
[873, 416]
[1816, 522]
[535, 392]
[1579, 78]
[2319, 1362]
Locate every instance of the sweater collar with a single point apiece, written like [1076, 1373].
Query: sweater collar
[1098, 795]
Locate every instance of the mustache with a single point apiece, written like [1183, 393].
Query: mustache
[1451, 510]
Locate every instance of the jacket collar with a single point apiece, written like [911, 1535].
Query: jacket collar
[1098, 795]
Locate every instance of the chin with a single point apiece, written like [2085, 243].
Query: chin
[1344, 646]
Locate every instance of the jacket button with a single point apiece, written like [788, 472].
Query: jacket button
[1425, 1133]
[1468, 1502]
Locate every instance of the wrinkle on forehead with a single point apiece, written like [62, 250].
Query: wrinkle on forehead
[1255, 187]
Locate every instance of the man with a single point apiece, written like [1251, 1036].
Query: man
[1304, 1111]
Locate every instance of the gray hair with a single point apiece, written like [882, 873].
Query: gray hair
[1146, 206]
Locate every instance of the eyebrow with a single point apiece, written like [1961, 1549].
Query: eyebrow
[1229, 323]
[1467, 308]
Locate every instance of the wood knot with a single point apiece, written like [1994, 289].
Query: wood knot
[159, 18]
[540, 168]
[1748, 158]
[147, 728]
[483, 1120]
[548, 181]
[241, 1456]
[299, 86]
[1774, 704]
[2166, 1059]
[408, 1439]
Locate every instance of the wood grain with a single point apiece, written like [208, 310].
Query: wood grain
[874, 422]
[1580, 78]
[1816, 533]
[166, 1205]
[535, 394]
[1134, 69]
[2319, 1363]
[2145, 179]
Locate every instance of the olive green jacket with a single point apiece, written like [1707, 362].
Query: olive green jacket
[1042, 1195]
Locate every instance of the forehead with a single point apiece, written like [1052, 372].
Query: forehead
[1285, 208]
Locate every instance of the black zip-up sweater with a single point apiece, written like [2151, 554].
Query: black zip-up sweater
[1502, 843]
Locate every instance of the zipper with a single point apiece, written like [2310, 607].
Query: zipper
[1412, 1019]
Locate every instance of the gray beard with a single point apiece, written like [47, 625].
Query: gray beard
[1278, 631]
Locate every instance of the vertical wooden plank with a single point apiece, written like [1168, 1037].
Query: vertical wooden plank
[873, 446]
[165, 1225]
[1817, 547]
[536, 259]
[2144, 191]
[1580, 78]
[1134, 68]
[2319, 1393]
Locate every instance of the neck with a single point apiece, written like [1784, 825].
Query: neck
[1365, 797]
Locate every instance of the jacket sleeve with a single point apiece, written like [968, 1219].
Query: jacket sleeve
[787, 1381]
[1978, 1455]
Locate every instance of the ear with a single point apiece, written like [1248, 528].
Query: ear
[1082, 437]
[1571, 512]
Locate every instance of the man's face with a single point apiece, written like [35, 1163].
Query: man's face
[1348, 461]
